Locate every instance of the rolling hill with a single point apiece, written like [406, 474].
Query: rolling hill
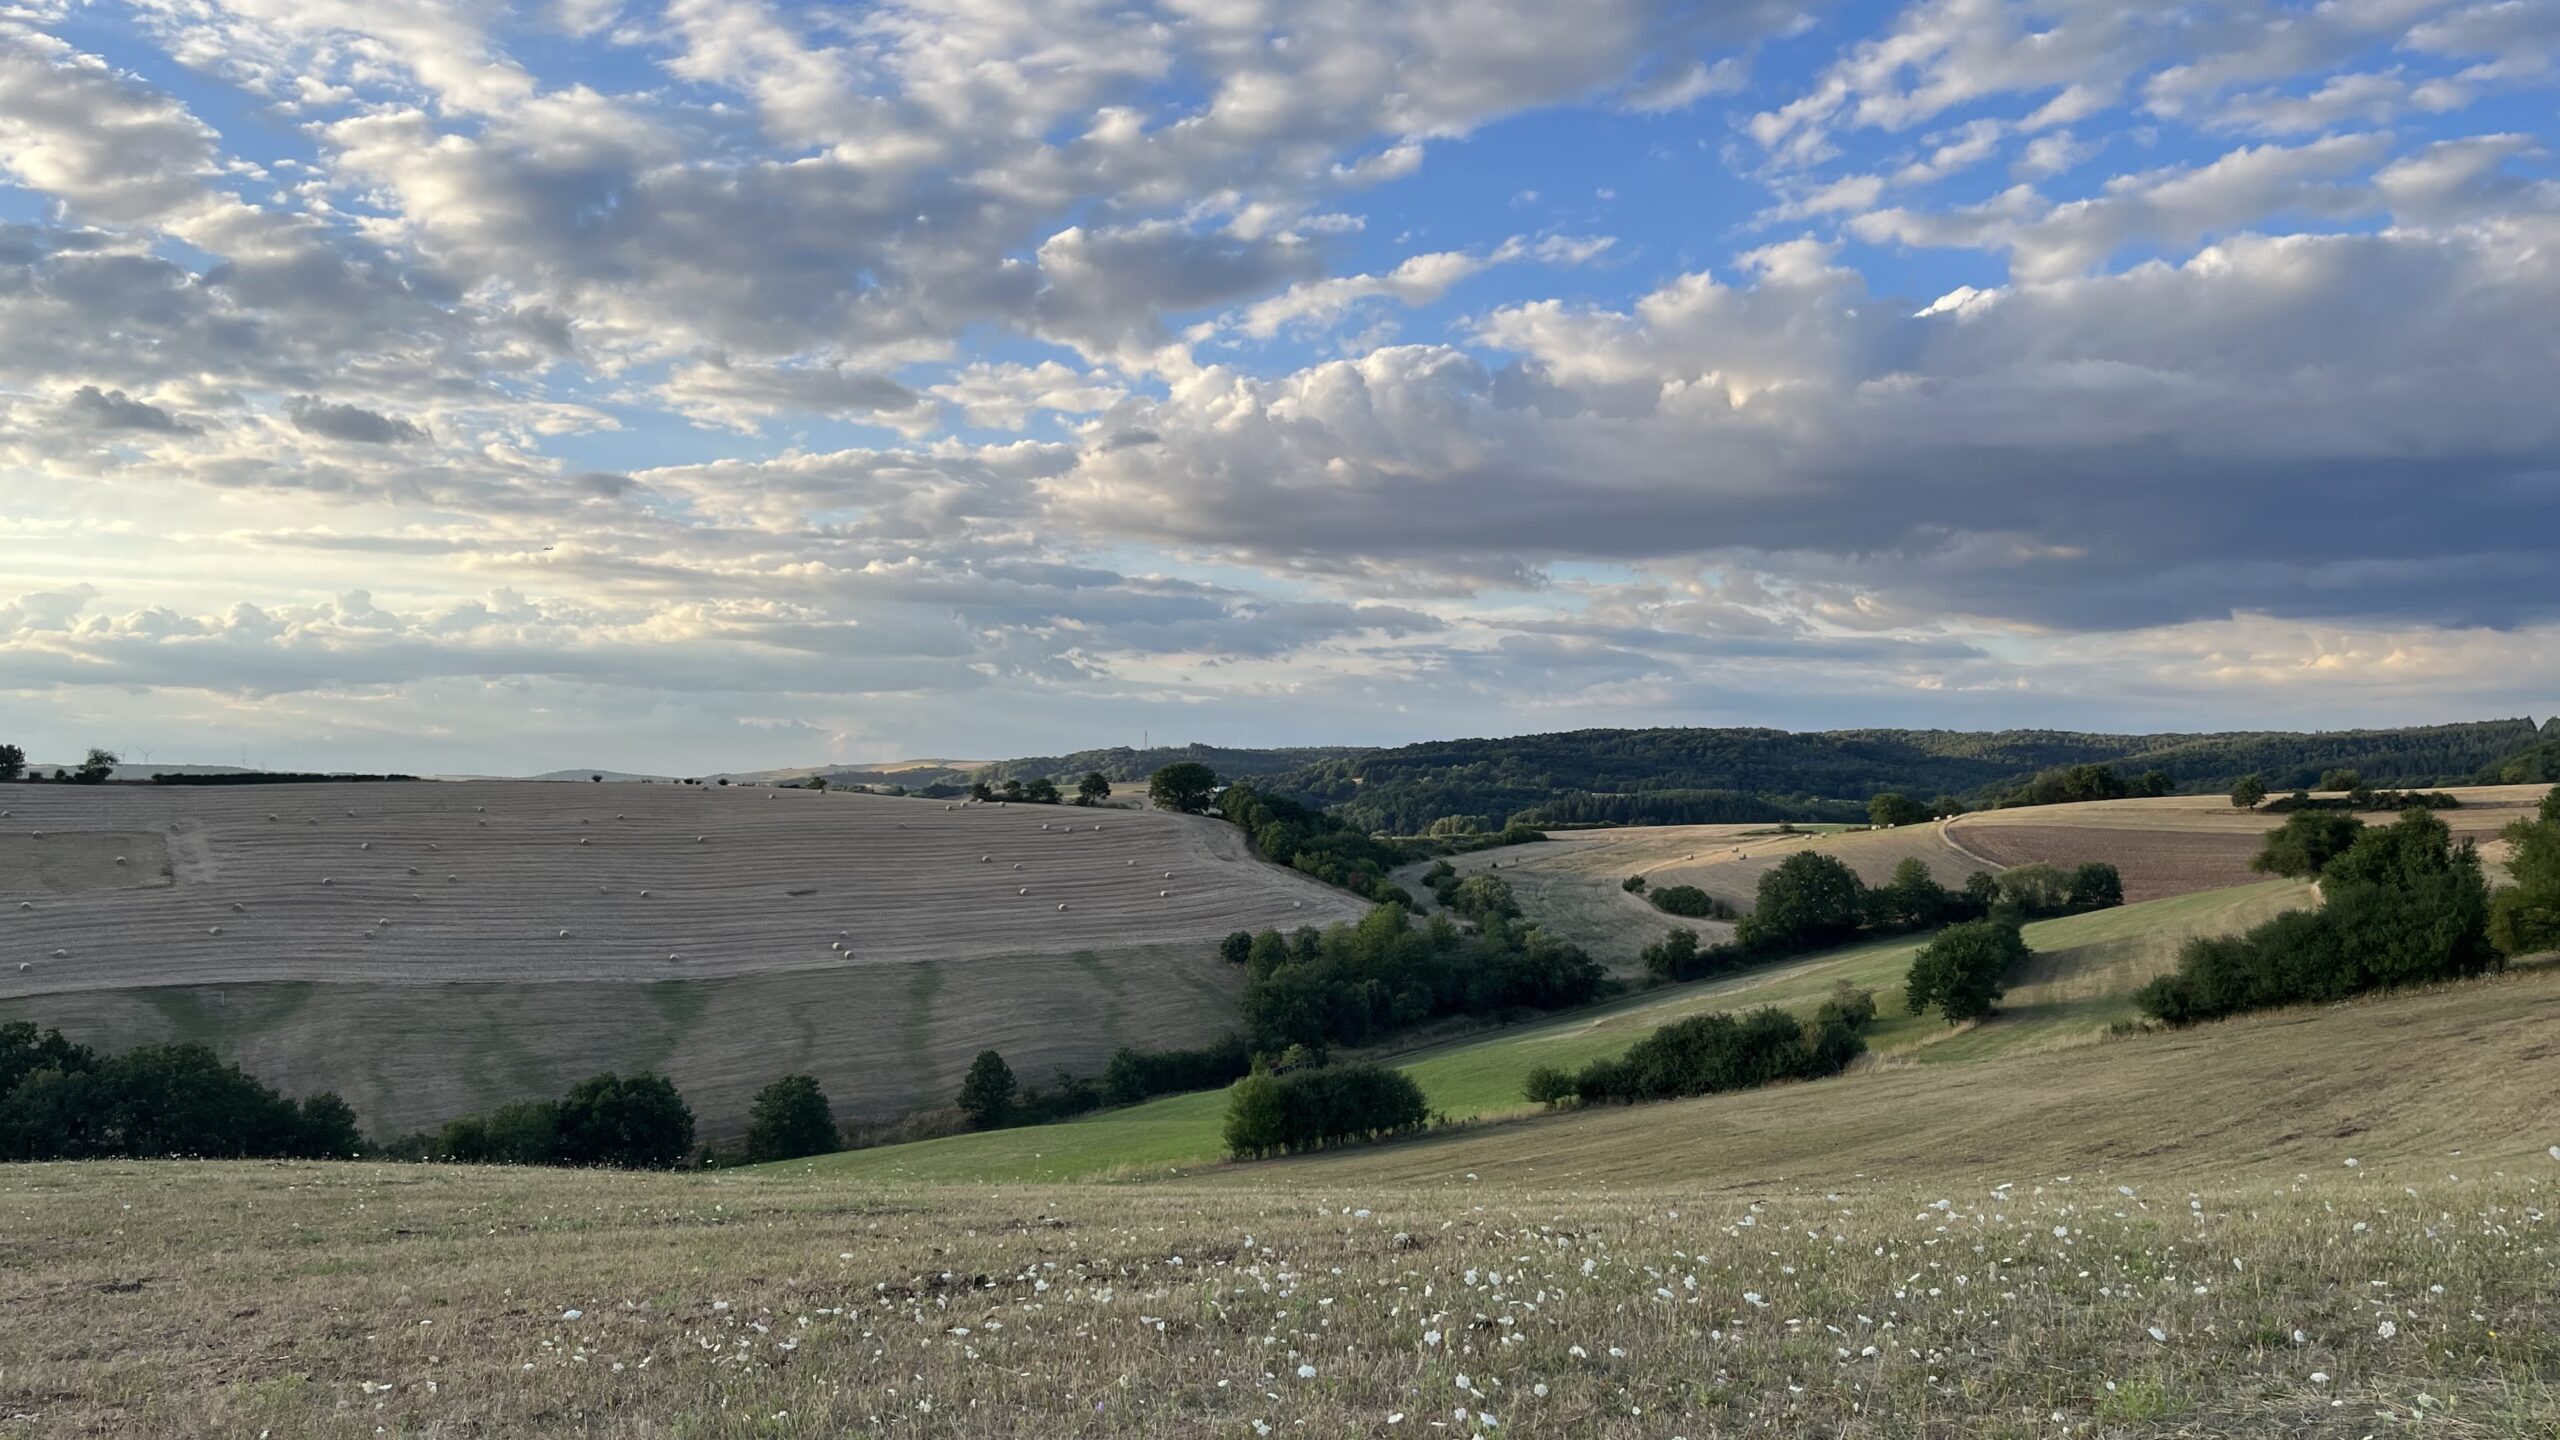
[431, 949]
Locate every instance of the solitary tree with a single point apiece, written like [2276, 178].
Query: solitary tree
[2250, 793]
[1041, 791]
[1960, 972]
[791, 1118]
[1182, 786]
[986, 1092]
[1093, 789]
[95, 769]
[2342, 779]
[1809, 900]
[1888, 810]
[13, 762]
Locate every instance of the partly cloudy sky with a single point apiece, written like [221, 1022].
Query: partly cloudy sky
[680, 384]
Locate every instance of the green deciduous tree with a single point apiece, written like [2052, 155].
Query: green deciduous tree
[1890, 809]
[1093, 789]
[638, 1122]
[1809, 900]
[791, 1118]
[2524, 918]
[987, 1091]
[1961, 972]
[13, 762]
[95, 767]
[2250, 793]
[1183, 786]
[2306, 842]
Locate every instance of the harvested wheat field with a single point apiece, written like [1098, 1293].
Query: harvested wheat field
[431, 948]
[2178, 844]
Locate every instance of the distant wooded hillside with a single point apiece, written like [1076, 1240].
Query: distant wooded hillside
[1700, 776]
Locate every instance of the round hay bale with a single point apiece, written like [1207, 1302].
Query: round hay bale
[61, 954]
[239, 909]
[364, 844]
[1062, 904]
[564, 934]
[213, 929]
[325, 880]
[1025, 890]
[584, 841]
[644, 894]
[119, 859]
[701, 839]
[1161, 894]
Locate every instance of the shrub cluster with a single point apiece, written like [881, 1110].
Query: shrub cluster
[2524, 919]
[2363, 797]
[2402, 904]
[1477, 897]
[1690, 901]
[1314, 843]
[1134, 1075]
[1705, 1054]
[63, 1101]
[634, 1122]
[1277, 1114]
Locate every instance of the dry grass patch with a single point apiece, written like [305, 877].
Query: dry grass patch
[327, 1301]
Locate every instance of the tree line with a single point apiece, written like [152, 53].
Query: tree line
[1752, 775]
[1811, 901]
[95, 768]
[60, 1100]
[1721, 1051]
[2401, 904]
[65, 1101]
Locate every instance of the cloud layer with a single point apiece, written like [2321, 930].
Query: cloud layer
[678, 383]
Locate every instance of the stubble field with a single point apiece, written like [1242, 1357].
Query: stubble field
[2246, 1231]
[412, 953]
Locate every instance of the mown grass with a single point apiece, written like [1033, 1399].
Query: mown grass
[2089, 966]
[358, 1300]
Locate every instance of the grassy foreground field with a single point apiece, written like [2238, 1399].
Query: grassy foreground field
[2082, 980]
[358, 1300]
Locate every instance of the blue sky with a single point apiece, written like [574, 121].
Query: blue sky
[679, 384]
